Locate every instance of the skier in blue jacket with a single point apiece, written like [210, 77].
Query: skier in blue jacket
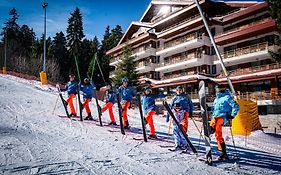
[87, 90]
[149, 107]
[224, 109]
[71, 88]
[127, 94]
[110, 100]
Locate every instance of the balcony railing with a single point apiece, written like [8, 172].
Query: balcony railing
[252, 69]
[181, 22]
[179, 41]
[245, 26]
[262, 95]
[246, 50]
[181, 58]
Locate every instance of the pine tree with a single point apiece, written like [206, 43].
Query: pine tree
[61, 54]
[126, 68]
[74, 37]
[274, 7]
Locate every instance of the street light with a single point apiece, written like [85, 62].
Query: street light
[5, 61]
[43, 75]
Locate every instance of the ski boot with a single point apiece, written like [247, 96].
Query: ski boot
[126, 126]
[152, 136]
[89, 117]
[112, 123]
[176, 148]
[73, 115]
[223, 155]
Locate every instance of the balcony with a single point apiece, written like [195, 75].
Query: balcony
[182, 44]
[181, 62]
[247, 31]
[250, 70]
[143, 68]
[247, 54]
[186, 73]
[143, 52]
[181, 22]
[114, 61]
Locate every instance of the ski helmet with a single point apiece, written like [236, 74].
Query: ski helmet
[125, 79]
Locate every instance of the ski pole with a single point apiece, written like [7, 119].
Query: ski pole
[169, 128]
[200, 132]
[235, 150]
[55, 104]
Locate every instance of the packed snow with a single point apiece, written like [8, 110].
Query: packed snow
[34, 140]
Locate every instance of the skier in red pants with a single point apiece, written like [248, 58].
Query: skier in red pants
[110, 100]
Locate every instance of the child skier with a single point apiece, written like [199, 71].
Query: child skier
[225, 108]
[180, 141]
[127, 94]
[186, 106]
[110, 100]
[149, 107]
[71, 88]
[87, 89]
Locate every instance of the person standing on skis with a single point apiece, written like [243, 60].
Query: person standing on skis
[87, 90]
[110, 100]
[127, 94]
[71, 88]
[149, 107]
[224, 109]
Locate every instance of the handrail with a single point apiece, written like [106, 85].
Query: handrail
[180, 40]
[180, 58]
[246, 50]
[244, 26]
[253, 69]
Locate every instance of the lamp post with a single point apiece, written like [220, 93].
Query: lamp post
[43, 75]
[5, 61]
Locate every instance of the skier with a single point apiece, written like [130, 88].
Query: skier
[224, 109]
[71, 88]
[110, 100]
[186, 104]
[127, 94]
[149, 107]
[180, 114]
[87, 89]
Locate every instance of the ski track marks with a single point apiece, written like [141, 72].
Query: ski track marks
[35, 141]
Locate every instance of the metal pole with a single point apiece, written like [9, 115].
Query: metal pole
[44, 7]
[215, 47]
[6, 40]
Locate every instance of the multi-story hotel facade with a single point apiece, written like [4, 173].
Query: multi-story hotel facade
[171, 46]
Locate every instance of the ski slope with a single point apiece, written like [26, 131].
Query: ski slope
[34, 140]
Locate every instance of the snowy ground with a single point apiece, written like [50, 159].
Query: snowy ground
[34, 140]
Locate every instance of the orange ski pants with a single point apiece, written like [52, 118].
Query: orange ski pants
[125, 107]
[109, 107]
[70, 103]
[217, 124]
[86, 105]
[149, 119]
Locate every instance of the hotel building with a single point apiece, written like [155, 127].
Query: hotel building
[171, 46]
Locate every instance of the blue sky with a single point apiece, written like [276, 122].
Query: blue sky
[97, 14]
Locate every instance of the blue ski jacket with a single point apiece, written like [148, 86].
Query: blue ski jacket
[225, 105]
[110, 96]
[184, 101]
[71, 87]
[87, 90]
[127, 94]
[148, 102]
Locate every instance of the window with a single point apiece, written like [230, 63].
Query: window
[214, 69]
